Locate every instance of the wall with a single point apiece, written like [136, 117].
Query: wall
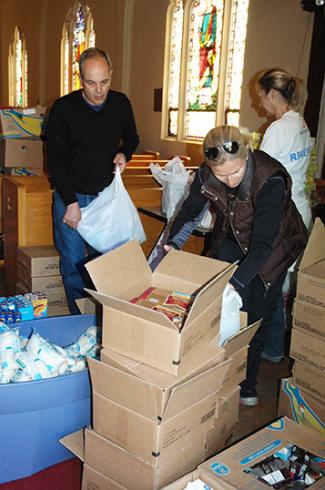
[133, 31]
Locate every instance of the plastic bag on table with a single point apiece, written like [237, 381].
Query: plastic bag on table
[174, 179]
[111, 219]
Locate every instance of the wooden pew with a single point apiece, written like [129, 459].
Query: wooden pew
[145, 170]
[146, 162]
[146, 155]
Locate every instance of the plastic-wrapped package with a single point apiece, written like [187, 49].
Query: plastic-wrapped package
[9, 346]
[32, 366]
[46, 352]
[86, 342]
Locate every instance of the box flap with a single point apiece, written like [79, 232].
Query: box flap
[75, 442]
[151, 392]
[240, 339]
[188, 393]
[133, 309]
[86, 305]
[186, 267]
[121, 272]
[203, 359]
[220, 280]
[315, 249]
[124, 388]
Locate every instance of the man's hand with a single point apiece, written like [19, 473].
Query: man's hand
[72, 215]
[167, 248]
[120, 161]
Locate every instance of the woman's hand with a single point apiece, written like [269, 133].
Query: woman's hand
[167, 248]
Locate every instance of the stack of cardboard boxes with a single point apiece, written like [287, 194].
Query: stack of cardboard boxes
[302, 397]
[165, 397]
[20, 143]
[39, 271]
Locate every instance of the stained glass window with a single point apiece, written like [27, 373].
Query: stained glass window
[175, 53]
[236, 54]
[204, 66]
[78, 34]
[18, 70]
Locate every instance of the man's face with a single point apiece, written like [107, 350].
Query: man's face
[96, 80]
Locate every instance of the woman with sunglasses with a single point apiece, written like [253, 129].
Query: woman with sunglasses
[288, 140]
[256, 224]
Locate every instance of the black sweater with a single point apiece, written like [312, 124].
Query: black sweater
[82, 143]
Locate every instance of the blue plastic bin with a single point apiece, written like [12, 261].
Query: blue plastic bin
[35, 415]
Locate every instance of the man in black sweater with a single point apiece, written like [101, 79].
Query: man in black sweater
[89, 133]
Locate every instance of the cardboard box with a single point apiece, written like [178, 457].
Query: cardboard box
[57, 303]
[310, 318]
[49, 285]
[153, 393]
[37, 261]
[148, 439]
[128, 470]
[24, 172]
[311, 275]
[209, 480]
[135, 331]
[307, 347]
[231, 467]
[228, 416]
[309, 377]
[21, 153]
[237, 369]
[21, 123]
[301, 406]
[94, 480]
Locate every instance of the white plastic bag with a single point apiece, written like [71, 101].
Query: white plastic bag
[111, 219]
[230, 315]
[174, 179]
[176, 182]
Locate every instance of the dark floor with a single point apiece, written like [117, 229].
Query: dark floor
[252, 418]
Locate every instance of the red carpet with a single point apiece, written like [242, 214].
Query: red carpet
[62, 476]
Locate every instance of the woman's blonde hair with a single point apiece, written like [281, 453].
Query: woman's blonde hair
[292, 89]
[220, 135]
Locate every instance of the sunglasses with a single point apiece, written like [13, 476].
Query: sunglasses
[230, 147]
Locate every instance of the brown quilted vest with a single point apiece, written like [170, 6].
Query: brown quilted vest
[238, 212]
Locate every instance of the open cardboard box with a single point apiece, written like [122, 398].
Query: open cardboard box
[231, 467]
[302, 406]
[16, 122]
[146, 335]
[109, 466]
[155, 394]
[198, 474]
[311, 275]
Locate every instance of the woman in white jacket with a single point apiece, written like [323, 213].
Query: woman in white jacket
[287, 140]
